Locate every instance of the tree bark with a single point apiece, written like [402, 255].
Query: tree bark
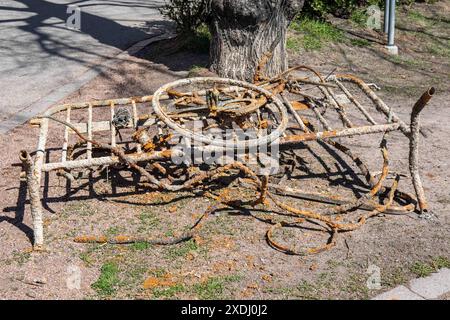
[246, 32]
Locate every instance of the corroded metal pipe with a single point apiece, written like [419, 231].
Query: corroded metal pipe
[380, 105]
[414, 148]
[33, 181]
[293, 139]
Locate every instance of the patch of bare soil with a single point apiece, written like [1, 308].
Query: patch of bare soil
[230, 258]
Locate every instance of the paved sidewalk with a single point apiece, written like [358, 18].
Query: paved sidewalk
[435, 286]
[40, 58]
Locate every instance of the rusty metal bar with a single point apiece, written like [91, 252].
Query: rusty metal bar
[336, 105]
[414, 148]
[319, 116]
[266, 140]
[95, 162]
[113, 128]
[136, 124]
[355, 102]
[124, 101]
[380, 105]
[291, 109]
[316, 83]
[356, 131]
[311, 196]
[66, 137]
[34, 175]
[89, 132]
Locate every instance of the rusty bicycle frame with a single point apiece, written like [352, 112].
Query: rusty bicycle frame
[35, 166]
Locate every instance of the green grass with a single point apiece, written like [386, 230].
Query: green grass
[416, 16]
[306, 290]
[107, 283]
[422, 269]
[312, 34]
[78, 208]
[133, 276]
[199, 41]
[357, 285]
[113, 231]
[214, 288]
[222, 225]
[181, 250]
[439, 49]
[309, 290]
[394, 278]
[440, 262]
[21, 257]
[86, 258]
[360, 42]
[140, 246]
[159, 272]
[195, 69]
[359, 17]
[169, 292]
[149, 220]
[405, 62]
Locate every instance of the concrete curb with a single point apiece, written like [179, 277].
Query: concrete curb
[431, 287]
[63, 91]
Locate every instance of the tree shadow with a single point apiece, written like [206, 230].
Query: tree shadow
[178, 57]
[46, 16]
[19, 210]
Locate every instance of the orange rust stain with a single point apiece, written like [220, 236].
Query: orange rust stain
[222, 243]
[253, 286]
[297, 105]
[267, 278]
[264, 124]
[224, 266]
[250, 260]
[149, 146]
[190, 256]
[327, 134]
[29, 250]
[198, 240]
[247, 293]
[153, 282]
[90, 239]
[155, 197]
[166, 154]
[121, 238]
[173, 209]
[144, 117]
[47, 222]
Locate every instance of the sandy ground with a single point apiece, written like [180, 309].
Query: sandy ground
[231, 258]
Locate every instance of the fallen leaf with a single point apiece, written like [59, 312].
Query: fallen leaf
[267, 278]
[153, 282]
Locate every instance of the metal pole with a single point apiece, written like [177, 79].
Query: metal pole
[391, 23]
[386, 15]
[389, 14]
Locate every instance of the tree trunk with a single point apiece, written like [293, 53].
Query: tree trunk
[246, 32]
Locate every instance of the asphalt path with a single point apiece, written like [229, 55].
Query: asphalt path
[39, 53]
